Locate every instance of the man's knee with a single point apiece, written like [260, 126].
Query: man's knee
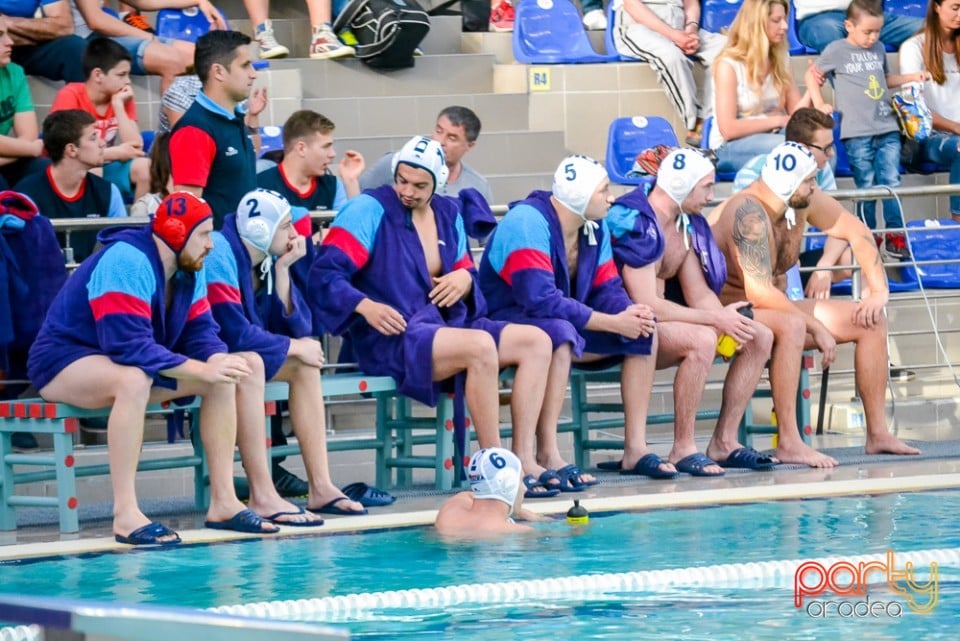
[132, 383]
[762, 339]
[164, 60]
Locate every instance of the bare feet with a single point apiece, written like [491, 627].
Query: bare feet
[223, 512]
[888, 444]
[803, 454]
[328, 496]
[281, 512]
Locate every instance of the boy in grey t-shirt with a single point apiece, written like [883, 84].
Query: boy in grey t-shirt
[869, 130]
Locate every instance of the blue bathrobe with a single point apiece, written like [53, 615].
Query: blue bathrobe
[638, 242]
[251, 322]
[114, 305]
[373, 251]
[525, 279]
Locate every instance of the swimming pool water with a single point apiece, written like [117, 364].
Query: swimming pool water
[319, 566]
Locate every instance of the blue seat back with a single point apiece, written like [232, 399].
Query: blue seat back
[183, 24]
[797, 48]
[716, 15]
[842, 168]
[271, 139]
[722, 176]
[938, 241]
[627, 137]
[908, 8]
[148, 137]
[551, 32]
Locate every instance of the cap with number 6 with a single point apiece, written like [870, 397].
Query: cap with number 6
[495, 474]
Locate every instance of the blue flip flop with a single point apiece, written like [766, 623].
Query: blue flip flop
[695, 463]
[273, 519]
[649, 465]
[571, 479]
[610, 466]
[243, 521]
[531, 482]
[367, 495]
[148, 535]
[748, 458]
[331, 508]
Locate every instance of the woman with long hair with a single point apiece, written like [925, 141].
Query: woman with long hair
[755, 92]
[936, 49]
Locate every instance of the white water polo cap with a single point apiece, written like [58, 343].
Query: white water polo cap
[680, 171]
[259, 214]
[495, 473]
[786, 167]
[575, 180]
[427, 154]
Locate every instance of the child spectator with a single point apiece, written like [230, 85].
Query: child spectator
[107, 95]
[161, 183]
[858, 65]
[20, 146]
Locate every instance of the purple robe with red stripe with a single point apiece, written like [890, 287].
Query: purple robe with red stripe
[525, 279]
[373, 251]
[113, 305]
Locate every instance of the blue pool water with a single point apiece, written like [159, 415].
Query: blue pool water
[320, 566]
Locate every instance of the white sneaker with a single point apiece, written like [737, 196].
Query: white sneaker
[595, 20]
[269, 47]
[326, 44]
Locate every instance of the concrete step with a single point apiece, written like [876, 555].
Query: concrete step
[501, 152]
[442, 74]
[407, 115]
[295, 34]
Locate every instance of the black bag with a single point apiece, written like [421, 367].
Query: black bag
[387, 31]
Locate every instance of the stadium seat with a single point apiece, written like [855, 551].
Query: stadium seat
[911, 9]
[722, 176]
[627, 138]
[271, 139]
[717, 15]
[797, 48]
[935, 240]
[608, 37]
[148, 137]
[842, 168]
[551, 32]
[183, 24]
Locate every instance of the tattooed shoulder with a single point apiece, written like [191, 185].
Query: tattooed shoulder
[751, 234]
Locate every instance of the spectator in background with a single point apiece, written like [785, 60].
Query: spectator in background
[324, 42]
[160, 182]
[45, 45]
[667, 34]
[755, 91]
[176, 100]
[150, 54]
[502, 15]
[303, 177]
[820, 22]
[67, 189]
[594, 18]
[211, 151]
[107, 95]
[20, 145]
[936, 50]
[457, 131]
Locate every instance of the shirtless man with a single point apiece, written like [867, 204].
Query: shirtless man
[759, 231]
[493, 498]
[664, 239]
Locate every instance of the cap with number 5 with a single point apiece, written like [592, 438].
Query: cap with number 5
[575, 180]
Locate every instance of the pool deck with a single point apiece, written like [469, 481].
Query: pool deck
[857, 474]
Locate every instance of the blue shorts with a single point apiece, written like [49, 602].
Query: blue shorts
[136, 47]
[118, 173]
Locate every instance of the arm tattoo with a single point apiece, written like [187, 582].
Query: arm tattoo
[869, 238]
[750, 233]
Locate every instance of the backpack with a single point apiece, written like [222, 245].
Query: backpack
[387, 31]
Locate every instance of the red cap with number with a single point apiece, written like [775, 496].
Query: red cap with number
[177, 216]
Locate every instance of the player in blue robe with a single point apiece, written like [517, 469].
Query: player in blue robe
[549, 263]
[394, 275]
[133, 326]
[669, 260]
[258, 306]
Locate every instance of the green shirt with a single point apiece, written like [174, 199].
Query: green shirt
[14, 96]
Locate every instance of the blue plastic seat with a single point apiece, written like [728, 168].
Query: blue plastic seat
[722, 176]
[716, 15]
[551, 32]
[183, 24]
[148, 137]
[939, 241]
[271, 139]
[627, 137]
[909, 9]
[608, 42]
[842, 168]
[797, 48]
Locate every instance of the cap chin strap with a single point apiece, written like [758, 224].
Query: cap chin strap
[791, 216]
[590, 228]
[265, 273]
[683, 226]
